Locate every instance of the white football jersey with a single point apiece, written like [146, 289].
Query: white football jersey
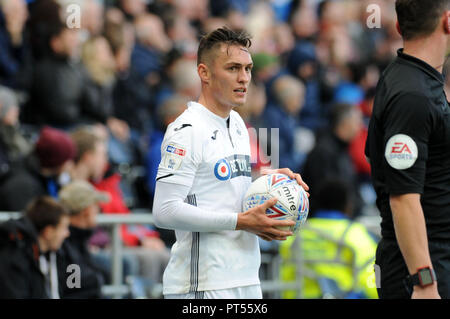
[211, 155]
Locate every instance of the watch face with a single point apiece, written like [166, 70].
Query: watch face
[425, 277]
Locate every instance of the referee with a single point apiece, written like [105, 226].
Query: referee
[409, 150]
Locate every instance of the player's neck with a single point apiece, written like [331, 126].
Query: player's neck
[421, 49]
[213, 106]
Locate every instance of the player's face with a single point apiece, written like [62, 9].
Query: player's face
[231, 75]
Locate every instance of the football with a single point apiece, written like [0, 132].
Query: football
[292, 201]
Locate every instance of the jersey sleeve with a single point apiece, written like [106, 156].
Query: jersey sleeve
[407, 126]
[180, 154]
[171, 212]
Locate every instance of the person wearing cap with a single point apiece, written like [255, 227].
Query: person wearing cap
[44, 170]
[82, 201]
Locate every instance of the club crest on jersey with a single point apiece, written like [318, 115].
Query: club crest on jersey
[401, 151]
[232, 166]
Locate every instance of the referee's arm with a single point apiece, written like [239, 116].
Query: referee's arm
[411, 234]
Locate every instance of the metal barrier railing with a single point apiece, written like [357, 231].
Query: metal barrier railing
[112, 221]
[118, 289]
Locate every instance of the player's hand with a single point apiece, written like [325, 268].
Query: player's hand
[428, 292]
[257, 222]
[288, 172]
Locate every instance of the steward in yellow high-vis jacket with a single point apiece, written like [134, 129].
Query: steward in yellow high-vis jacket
[336, 254]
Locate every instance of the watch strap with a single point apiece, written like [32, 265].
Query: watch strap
[414, 280]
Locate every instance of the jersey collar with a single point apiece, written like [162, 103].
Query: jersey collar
[421, 64]
[216, 118]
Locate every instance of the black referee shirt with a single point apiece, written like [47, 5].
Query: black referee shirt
[409, 142]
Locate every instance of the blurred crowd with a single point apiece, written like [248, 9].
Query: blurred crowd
[126, 68]
[88, 96]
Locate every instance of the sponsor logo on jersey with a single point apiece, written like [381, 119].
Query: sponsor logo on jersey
[222, 170]
[232, 166]
[175, 150]
[173, 156]
[401, 151]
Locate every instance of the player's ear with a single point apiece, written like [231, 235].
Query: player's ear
[397, 26]
[204, 72]
[447, 22]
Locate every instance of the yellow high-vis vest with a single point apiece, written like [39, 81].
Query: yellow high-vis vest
[331, 252]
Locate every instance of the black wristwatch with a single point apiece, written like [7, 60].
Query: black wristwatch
[424, 277]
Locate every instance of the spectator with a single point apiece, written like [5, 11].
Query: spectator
[357, 145]
[132, 8]
[284, 41]
[44, 171]
[45, 18]
[181, 32]
[130, 94]
[134, 94]
[147, 62]
[27, 251]
[302, 63]
[251, 113]
[289, 93]
[266, 67]
[60, 95]
[57, 83]
[167, 113]
[143, 242]
[330, 156]
[81, 200]
[120, 35]
[93, 17]
[338, 253]
[151, 44]
[100, 64]
[14, 147]
[15, 52]
[184, 82]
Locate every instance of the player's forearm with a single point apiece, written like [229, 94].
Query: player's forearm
[171, 212]
[410, 230]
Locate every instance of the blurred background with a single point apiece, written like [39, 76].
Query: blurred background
[122, 70]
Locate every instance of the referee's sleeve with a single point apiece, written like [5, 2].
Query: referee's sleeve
[407, 124]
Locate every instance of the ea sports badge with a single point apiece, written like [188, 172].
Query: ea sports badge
[222, 170]
[401, 151]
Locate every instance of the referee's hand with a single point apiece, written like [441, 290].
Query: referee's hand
[256, 221]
